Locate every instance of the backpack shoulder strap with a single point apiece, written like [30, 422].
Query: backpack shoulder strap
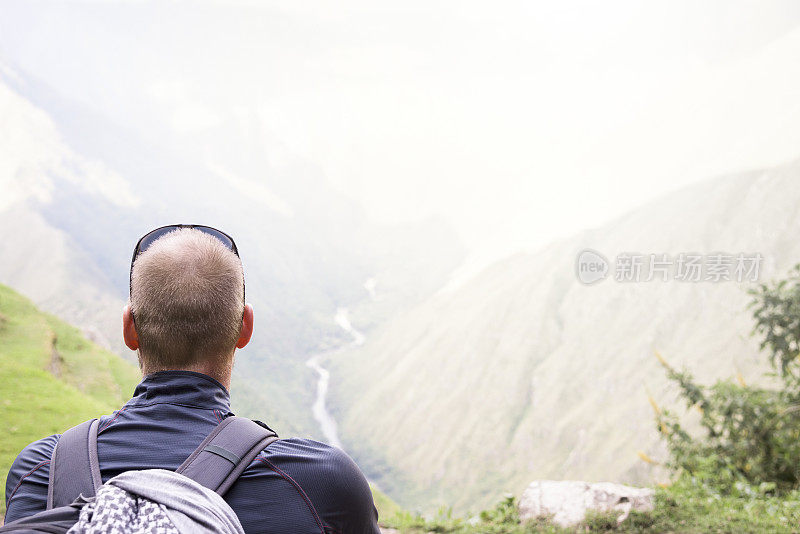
[74, 469]
[226, 453]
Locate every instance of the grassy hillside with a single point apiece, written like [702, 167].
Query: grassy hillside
[524, 373]
[49, 369]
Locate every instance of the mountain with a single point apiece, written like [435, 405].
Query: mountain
[525, 373]
[47, 368]
[77, 191]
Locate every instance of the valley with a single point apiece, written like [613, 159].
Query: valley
[524, 373]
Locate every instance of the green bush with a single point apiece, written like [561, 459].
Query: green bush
[750, 438]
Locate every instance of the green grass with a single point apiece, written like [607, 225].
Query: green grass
[689, 508]
[385, 505]
[51, 377]
[504, 518]
[683, 508]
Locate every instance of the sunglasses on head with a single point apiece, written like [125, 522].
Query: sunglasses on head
[151, 237]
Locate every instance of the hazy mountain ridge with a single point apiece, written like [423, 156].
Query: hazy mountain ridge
[524, 373]
[77, 190]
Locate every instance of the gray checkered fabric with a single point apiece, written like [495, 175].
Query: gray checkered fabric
[156, 501]
[114, 510]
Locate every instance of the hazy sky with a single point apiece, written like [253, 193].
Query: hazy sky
[518, 122]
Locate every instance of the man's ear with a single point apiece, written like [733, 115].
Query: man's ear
[129, 328]
[247, 327]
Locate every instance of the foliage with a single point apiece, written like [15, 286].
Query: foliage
[776, 309]
[751, 434]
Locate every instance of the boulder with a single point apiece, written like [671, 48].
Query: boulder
[567, 501]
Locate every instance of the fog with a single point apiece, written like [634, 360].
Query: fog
[516, 122]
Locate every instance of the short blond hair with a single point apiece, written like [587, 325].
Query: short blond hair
[187, 299]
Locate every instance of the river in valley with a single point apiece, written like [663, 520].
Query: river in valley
[320, 409]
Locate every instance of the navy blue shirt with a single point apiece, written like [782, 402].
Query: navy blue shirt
[295, 485]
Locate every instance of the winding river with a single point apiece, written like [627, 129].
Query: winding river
[326, 421]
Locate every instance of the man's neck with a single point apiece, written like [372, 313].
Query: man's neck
[219, 372]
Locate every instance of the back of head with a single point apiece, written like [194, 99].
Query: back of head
[187, 298]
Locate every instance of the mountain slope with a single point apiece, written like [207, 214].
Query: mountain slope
[524, 373]
[77, 191]
[51, 377]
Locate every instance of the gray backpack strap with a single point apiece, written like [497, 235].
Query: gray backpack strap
[74, 469]
[226, 453]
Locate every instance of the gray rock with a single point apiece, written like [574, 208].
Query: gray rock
[566, 502]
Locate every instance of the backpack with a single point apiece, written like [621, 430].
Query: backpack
[153, 500]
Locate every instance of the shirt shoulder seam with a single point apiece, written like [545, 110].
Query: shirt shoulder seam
[298, 488]
[26, 475]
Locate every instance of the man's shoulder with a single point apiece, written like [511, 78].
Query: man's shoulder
[316, 465]
[32, 460]
[328, 478]
[37, 452]
[320, 457]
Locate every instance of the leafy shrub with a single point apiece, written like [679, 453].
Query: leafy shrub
[751, 435]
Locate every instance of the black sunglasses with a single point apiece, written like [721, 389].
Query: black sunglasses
[149, 238]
